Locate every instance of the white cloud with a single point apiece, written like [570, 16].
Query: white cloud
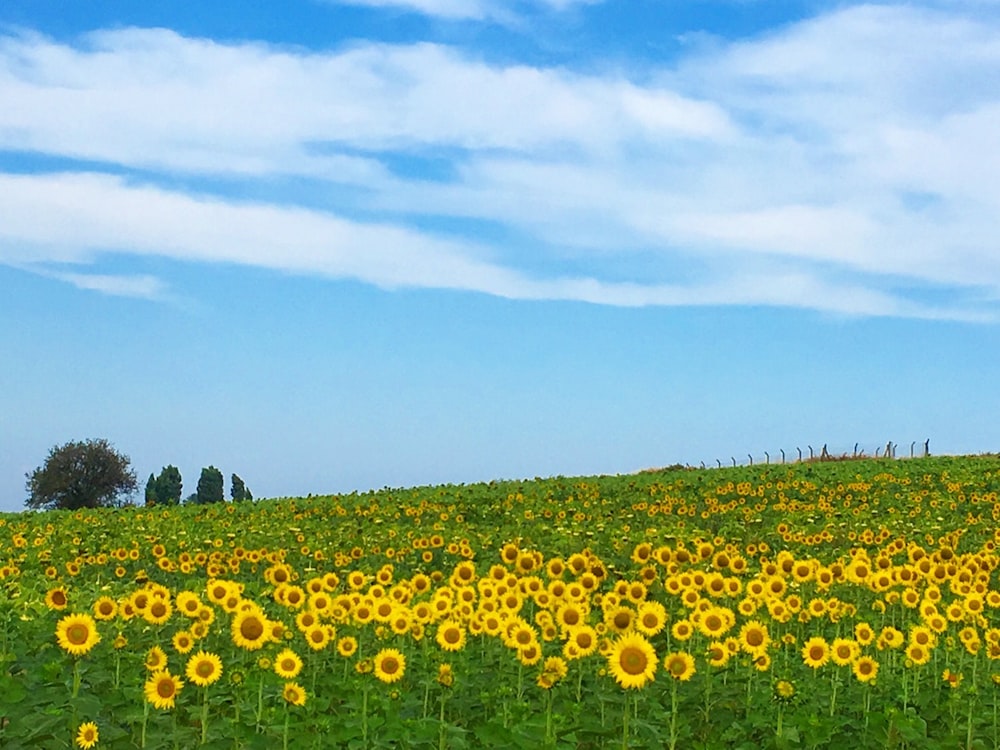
[142, 285]
[838, 163]
[467, 9]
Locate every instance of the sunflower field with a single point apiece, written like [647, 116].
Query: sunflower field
[849, 603]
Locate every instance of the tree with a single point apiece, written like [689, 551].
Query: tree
[81, 474]
[211, 486]
[150, 493]
[239, 489]
[169, 486]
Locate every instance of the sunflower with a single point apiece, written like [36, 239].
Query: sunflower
[204, 668]
[784, 690]
[183, 641]
[682, 630]
[445, 675]
[250, 630]
[105, 608]
[632, 660]
[87, 735]
[77, 634]
[188, 603]
[651, 618]
[679, 665]
[450, 636]
[865, 669]
[816, 652]
[718, 654]
[294, 694]
[918, 654]
[56, 598]
[347, 645]
[389, 665]
[754, 638]
[715, 622]
[161, 689]
[584, 639]
[157, 611]
[287, 664]
[156, 659]
[318, 636]
[843, 651]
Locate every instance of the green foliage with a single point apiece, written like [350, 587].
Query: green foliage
[211, 486]
[81, 474]
[240, 491]
[166, 488]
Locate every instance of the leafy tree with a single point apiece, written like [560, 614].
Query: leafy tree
[240, 490]
[81, 474]
[211, 486]
[169, 486]
[151, 489]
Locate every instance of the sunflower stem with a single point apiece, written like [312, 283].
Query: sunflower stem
[625, 725]
[204, 715]
[260, 704]
[442, 735]
[673, 713]
[364, 717]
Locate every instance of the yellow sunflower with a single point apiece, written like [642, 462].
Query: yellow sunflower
[632, 661]
[865, 669]
[843, 651]
[450, 636]
[651, 618]
[161, 689]
[77, 634]
[105, 608]
[754, 638]
[56, 598]
[679, 665]
[183, 641]
[816, 652]
[347, 645]
[204, 668]
[87, 735]
[250, 630]
[287, 664]
[389, 665]
[294, 694]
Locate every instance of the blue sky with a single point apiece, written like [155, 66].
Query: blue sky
[336, 246]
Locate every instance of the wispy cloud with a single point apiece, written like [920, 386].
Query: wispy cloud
[846, 163]
[468, 9]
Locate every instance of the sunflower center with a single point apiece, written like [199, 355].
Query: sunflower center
[390, 665]
[677, 667]
[165, 688]
[633, 661]
[755, 638]
[78, 634]
[252, 629]
[452, 635]
[816, 653]
[205, 669]
[622, 620]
